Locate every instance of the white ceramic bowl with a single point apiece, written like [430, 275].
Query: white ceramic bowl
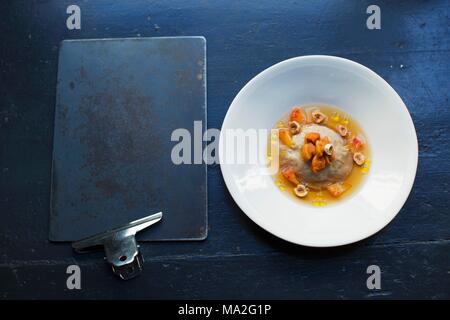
[363, 95]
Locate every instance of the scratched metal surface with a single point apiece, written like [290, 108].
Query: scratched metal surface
[117, 103]
[238, 259]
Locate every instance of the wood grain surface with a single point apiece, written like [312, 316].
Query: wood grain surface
[238, 259]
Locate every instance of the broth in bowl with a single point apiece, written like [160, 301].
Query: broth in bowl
[323, 154]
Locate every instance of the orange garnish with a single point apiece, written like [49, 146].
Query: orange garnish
[312, 137]
[297, 115]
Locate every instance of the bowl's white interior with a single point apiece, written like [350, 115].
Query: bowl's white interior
[365, 97]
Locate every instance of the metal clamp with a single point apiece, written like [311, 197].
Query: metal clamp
[121, 249]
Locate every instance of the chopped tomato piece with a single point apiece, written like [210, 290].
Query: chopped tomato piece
[312, 137]
[285, 137]
[297, 115]
[338, 188]
[356, 144]
[320, 146]
[289, 174]
[307, 151]
[318, 163]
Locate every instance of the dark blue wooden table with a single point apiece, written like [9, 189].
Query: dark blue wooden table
[238, 260]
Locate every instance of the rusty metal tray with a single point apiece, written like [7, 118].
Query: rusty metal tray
[118, 102]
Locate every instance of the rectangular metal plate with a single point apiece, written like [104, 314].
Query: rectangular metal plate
[118, 102]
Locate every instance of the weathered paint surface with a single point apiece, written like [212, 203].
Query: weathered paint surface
[238, 260]
[118, 102]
